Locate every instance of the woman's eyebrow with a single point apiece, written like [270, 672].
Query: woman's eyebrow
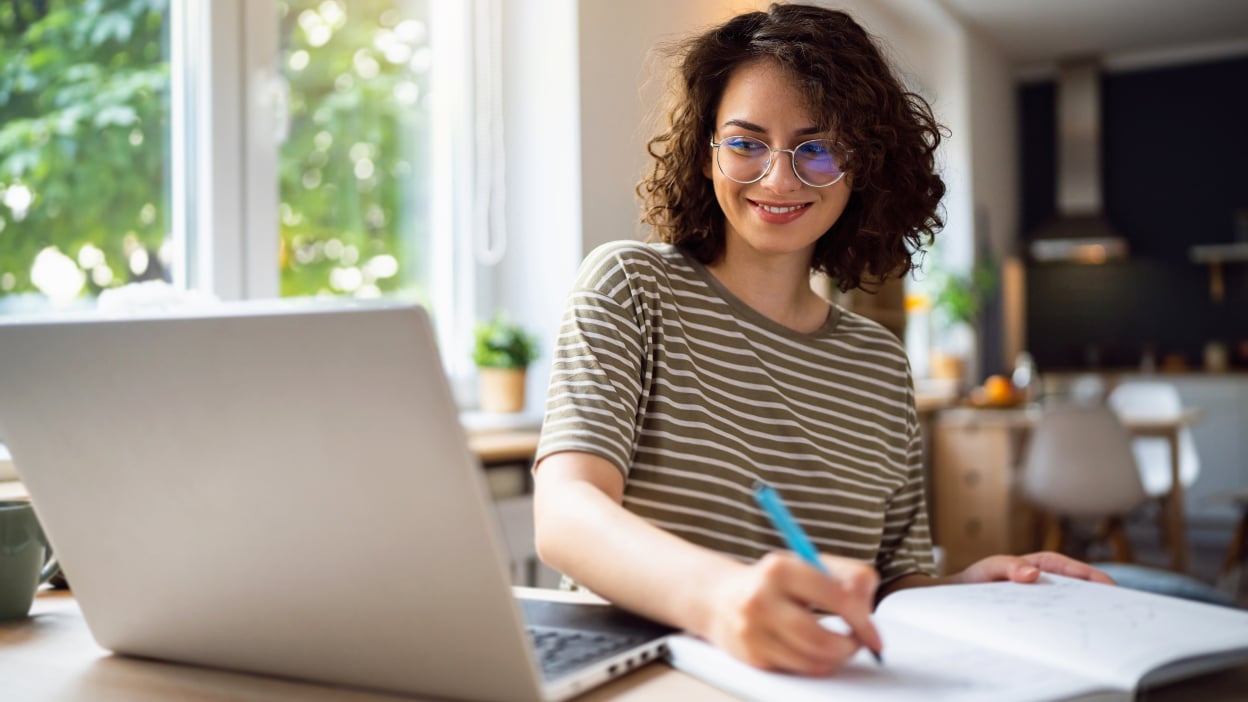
[750, 126]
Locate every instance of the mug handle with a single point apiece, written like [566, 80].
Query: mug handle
[50, 569]
[52, 566]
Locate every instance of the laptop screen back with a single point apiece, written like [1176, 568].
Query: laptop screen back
[287, 492]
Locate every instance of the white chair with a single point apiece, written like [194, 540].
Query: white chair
[1153, 400]
[1079, 465]
[1087, 389]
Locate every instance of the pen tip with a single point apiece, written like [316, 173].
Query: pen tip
[879, 658]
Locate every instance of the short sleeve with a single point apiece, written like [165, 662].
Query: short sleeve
[598, 372]
[906, 546]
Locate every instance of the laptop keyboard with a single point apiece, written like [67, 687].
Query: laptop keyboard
[560, 651]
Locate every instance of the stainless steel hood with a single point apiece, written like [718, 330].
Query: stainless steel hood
[1080, 233]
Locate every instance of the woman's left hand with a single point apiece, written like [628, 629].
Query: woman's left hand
[1025, 569]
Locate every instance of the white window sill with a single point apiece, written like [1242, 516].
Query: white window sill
[7, 471]
[476, 422]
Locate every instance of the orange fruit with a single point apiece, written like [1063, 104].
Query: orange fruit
[998, 390]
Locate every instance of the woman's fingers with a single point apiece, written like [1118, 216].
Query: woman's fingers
[1027, 568]
[765, 616]
[795, 642]
[774, 652]
[1051, 562]
[847, 589]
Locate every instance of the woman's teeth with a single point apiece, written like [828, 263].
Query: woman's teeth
[780, 210]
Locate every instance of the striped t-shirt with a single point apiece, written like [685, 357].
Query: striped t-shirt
[694, 396]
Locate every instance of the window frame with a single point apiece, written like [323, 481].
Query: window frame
[228, 112]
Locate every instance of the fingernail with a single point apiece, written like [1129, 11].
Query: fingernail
[1028, 571]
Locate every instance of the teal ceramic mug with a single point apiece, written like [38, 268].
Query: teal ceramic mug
[26, 560]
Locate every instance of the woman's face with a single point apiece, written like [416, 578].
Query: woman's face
[778, 215]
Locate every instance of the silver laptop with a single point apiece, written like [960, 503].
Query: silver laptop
[284, 490]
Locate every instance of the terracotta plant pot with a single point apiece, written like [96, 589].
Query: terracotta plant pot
[946, 366]
[501, 389]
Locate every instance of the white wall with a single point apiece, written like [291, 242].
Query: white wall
[541, 114]
[994, 155]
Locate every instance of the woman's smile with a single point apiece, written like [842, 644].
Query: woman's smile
[778, 212]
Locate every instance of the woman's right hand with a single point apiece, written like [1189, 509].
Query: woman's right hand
[762, 614]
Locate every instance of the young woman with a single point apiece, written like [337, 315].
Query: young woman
[689, 369]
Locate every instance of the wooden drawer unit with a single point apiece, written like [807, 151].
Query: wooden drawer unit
[975, 511]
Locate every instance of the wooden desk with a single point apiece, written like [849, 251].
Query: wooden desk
[51, 657]
[504, 446]
[975, 512]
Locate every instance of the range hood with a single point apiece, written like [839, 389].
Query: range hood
[1080, 233]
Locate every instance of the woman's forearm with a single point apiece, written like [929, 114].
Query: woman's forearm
[584, 533]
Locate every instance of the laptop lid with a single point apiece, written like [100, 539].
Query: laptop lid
[270, 488]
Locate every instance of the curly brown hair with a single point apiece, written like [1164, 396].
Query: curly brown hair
[895, 198]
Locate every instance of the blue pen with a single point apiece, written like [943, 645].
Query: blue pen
[767, 498]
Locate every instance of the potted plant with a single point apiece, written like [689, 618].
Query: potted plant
[502, 352]
[957, 299]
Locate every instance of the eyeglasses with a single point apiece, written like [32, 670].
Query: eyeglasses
[817, 163]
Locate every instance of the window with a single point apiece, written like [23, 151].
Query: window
[84, 156]
[243, 148]
[355, 163]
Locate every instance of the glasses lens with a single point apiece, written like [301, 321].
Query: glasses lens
[743, 159]
[818, 162]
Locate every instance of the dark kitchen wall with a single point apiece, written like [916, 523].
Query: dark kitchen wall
[1175, 169]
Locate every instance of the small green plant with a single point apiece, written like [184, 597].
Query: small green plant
[959, 297]
[502, 344]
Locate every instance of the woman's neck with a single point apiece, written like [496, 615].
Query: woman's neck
[776, 287]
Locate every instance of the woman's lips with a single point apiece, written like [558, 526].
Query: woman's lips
[779, 213]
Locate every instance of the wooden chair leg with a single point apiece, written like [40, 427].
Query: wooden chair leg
[1117, 533]
[1163, 521]
[1236, 554]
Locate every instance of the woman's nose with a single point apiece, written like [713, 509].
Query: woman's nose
[781, 177]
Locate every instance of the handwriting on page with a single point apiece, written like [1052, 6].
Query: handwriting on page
[1101, 630]
[919, 665]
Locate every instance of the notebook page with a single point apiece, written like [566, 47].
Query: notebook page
[919, 665]
[1100, 631]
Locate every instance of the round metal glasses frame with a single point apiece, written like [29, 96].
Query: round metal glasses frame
[771, 160]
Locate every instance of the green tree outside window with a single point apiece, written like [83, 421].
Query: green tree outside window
[84, 143]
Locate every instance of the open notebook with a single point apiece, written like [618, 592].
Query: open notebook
[1057, 639]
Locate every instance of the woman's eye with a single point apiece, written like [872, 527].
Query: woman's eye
[744, 146]
[814, 149]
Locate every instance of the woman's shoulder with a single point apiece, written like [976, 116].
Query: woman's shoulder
[870, 335]
[628, 258]
[630, 250]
